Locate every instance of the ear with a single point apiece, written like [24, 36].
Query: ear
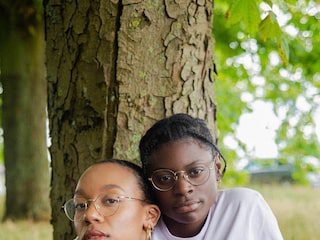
[218, 166]
[152, 216]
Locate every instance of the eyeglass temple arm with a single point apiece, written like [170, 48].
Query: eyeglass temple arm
[215, 148]
[221, 156]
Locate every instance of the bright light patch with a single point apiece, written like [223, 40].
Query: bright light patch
[258, 80]
[258, 130]
[246, 97]
[274, 58]
[302, 104]
[316, 118]
[291, 30]
[230, 142]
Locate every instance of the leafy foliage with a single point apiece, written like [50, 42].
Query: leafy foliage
[245, 12]
[269, 28]
[276, 41]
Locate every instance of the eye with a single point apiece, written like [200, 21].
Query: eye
[164, 177]
[196, 171]
[80, 206]
[108, 201]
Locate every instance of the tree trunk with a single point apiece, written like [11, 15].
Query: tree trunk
[114, 68]
[24, 113]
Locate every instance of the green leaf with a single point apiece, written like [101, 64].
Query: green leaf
[245, 12]
[269, 2]
[269, 28]
[283, 49]
[291, 1]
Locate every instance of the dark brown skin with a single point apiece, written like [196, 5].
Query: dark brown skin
[185, 207]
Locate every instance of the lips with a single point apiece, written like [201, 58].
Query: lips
[186, 206]
[94, 235]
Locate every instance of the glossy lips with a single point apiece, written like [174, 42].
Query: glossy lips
[94, 235]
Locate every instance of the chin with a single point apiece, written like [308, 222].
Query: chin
[186, 218]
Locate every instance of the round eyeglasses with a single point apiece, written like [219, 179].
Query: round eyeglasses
[197, 174]
[105, 204]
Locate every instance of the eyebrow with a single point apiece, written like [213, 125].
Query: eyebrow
[111, 186]
[197, 161]
[81, 192]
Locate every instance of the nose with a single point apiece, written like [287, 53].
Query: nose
[91, 214]
[182, 186]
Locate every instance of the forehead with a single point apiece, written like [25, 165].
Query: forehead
[100, 177]
[179, 154]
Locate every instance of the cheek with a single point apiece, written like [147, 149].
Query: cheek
[80, 229]
[164, 199]
[127, 224]
[210, 190]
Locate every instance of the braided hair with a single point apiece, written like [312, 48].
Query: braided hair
[174, 128]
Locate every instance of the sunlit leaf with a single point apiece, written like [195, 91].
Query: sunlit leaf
[269, 27]
[245, 12]
[283, 50]
[291, 1]
[269, 2]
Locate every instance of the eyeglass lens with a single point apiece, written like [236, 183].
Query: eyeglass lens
[164, 179]
[106, 205]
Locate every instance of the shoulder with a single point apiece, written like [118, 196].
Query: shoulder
[240, 193]
[244, 211]
[245, 200]
[241, 197]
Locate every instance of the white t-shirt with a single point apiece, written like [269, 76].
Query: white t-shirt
[239, 213]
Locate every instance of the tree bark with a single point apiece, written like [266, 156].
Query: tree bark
[114, 68]
[24, 112]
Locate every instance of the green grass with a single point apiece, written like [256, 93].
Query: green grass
[296, 208]
[26, 230]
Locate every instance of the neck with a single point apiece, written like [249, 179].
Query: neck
[183, 229]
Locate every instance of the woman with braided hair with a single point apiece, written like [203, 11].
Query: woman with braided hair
[184, 166]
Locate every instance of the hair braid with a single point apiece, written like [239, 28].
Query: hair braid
[173, 128]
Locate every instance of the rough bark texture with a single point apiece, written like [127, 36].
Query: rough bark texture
[164, 66]
[114, 68]
[24, 113]
[82, 104]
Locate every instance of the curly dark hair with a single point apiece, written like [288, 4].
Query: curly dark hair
[174, 128]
